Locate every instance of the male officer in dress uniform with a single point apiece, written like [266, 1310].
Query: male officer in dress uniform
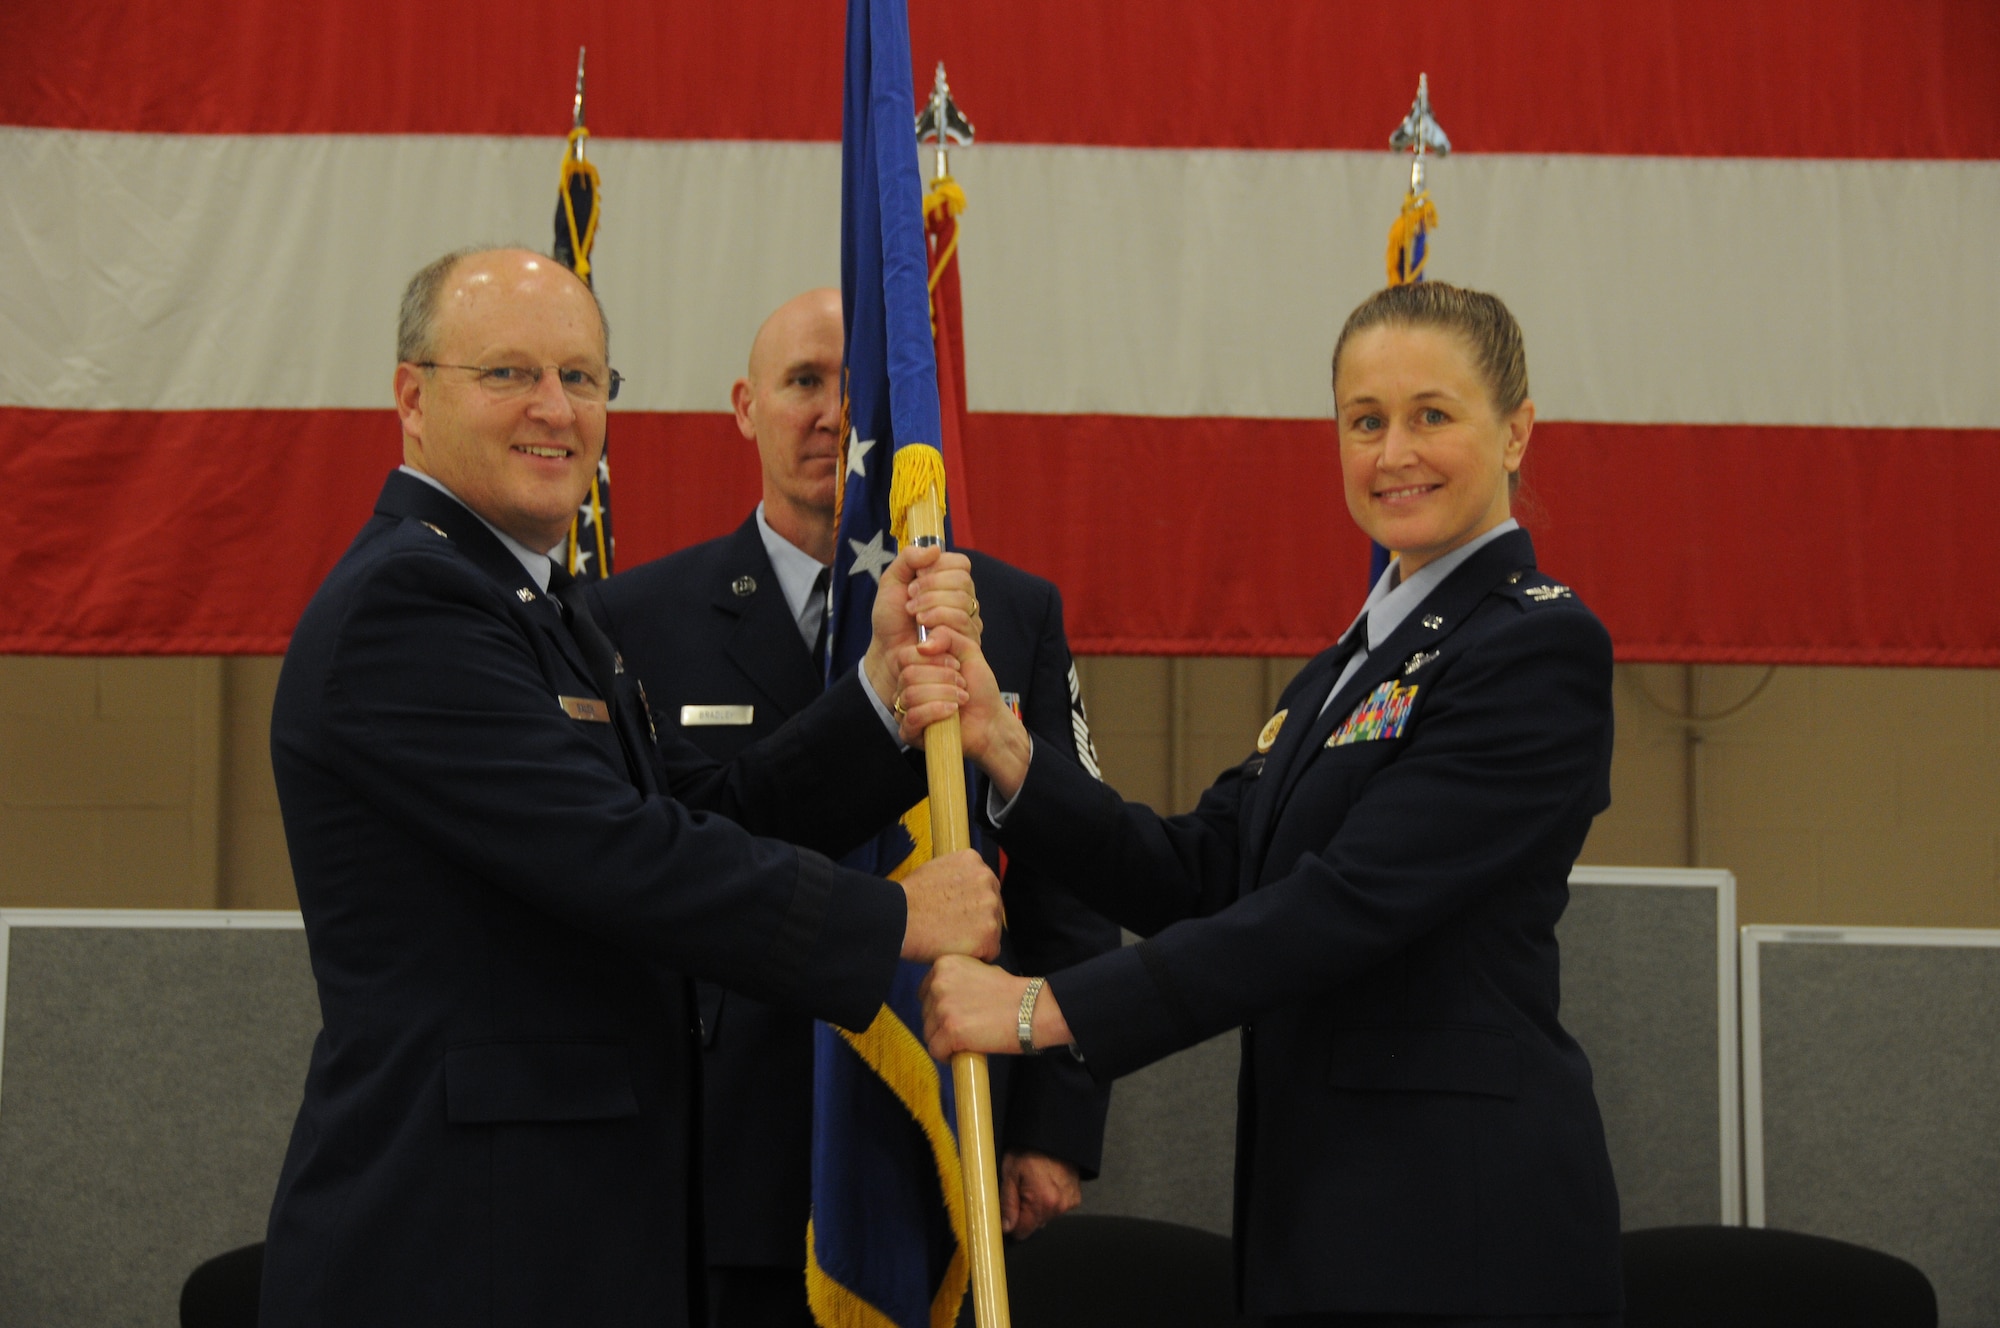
[725, 636]
[502, 881]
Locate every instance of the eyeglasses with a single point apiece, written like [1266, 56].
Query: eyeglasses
[506, 382]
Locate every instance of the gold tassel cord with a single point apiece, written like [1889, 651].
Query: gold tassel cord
[571, 168]
[1418, 215]
[945, 196]
[919, 468]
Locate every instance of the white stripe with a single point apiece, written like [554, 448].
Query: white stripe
[168, 272]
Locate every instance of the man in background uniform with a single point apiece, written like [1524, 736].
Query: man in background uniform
[728, 637]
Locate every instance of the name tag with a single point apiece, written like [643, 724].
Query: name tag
[715, 716]
[586, 708]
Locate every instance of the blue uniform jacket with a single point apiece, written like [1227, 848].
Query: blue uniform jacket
[709, 625]
[1374, 900]
[501, 907]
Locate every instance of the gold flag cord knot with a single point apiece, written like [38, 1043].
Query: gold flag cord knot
[573, 165]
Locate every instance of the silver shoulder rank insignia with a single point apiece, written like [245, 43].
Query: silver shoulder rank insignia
[527, 595]
[1513, 578]
[744, 585]
[1269, 733]
[435, 530]
[1418, 660]
[1543, 594]
[617, 662]
[1432, 621]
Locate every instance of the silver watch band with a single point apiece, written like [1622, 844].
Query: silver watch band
[1024, 1018]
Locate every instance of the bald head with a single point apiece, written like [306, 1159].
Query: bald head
[789, 405]
[424, 298]
[808, 320]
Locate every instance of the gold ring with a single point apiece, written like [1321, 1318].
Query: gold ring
[975, 608]
[898, 707]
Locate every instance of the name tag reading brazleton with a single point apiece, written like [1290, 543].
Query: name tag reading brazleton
[585, 707]
[715, 716]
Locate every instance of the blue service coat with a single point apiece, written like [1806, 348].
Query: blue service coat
[1416, 1130]
[709, 625]
[501, 905]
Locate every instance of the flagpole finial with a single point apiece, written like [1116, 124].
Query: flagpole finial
[576, 114]
[942, 122]
[1420, 133]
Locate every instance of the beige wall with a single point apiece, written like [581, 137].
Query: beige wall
[1838, 796]
[139, 783]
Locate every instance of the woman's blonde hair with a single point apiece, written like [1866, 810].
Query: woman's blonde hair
[1480, 318]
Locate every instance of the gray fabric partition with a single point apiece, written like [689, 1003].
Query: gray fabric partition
[149, 1073]
[1649, 989]
[1872, 1097]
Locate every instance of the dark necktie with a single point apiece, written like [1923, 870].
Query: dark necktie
[821, 584]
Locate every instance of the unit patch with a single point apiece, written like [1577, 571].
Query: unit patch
[1380, 716]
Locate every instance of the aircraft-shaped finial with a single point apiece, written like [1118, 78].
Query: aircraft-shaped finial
[1420, 133]
[943, 123]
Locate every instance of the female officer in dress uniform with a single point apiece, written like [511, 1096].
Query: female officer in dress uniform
[1372, 894]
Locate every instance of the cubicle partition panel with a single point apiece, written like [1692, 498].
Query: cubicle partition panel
[1871, 1104]
[150, 1067]
[1170, 1143]
[1649, 989]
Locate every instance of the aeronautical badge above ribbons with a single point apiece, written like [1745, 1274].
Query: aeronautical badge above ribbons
[1382, 715]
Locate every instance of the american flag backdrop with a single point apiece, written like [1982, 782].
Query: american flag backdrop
[1753, 246]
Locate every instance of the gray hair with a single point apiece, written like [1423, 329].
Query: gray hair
[416, 318]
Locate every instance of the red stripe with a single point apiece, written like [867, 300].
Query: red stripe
[207, 531]
[1783, 78]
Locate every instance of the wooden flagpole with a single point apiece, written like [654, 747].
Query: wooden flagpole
[951, 830]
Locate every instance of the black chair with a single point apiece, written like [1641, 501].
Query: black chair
[1107, 1272]
[222, 1293]
[1753, 1277]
